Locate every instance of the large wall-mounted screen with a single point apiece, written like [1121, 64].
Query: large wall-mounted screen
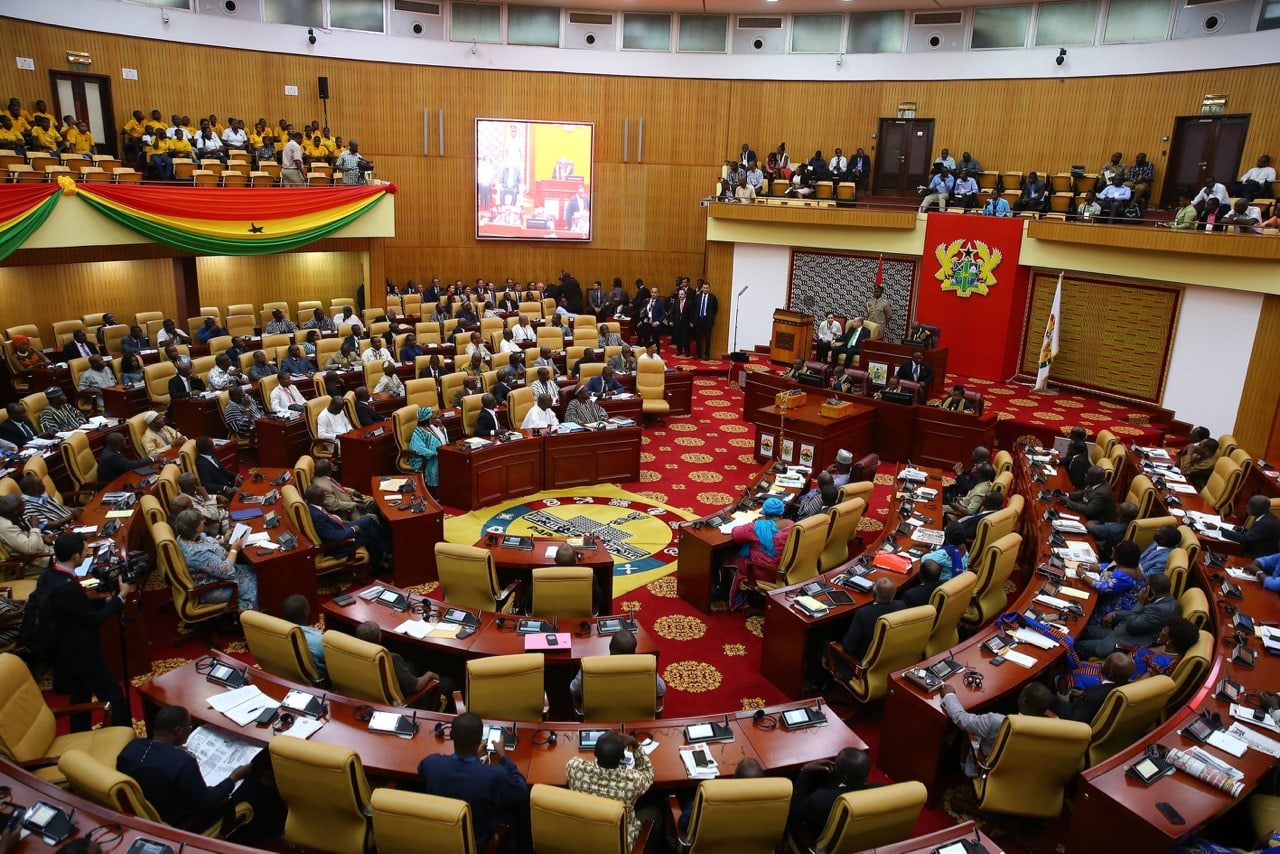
[533, 179]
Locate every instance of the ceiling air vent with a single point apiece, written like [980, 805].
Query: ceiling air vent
[936, 18]
[421, 7]
[759, 23]
[597, 19]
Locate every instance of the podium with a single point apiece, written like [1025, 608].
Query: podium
[792, 336]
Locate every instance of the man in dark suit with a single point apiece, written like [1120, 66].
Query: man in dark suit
[916, 369]
[112, 462]
[860, 167]
[929, 580]
[991, 502]
[1096, 501]
[858, 638]
[850, 343]
[184, 383]
[365, 413]
[18, 429]
[79, 347]
[79, 669]
[487, 421]
[1136, 627]
[213, 475]
[1117, 670]
[701, 319]
[605, 383]
[432, 370]
[819, 784]
[330, 528]
[1263, 536]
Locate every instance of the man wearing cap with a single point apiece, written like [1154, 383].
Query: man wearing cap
[349, 164]
[762, 542]
[424, 445]
[59, 416]
[842, 469]
[159, 436]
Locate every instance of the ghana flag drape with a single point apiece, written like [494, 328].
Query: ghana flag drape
[233, 221]
[23, 209]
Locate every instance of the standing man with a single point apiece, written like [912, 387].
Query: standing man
[702, 313]
[879, 309]
[351, 164]
[680, 311]
[291, 163]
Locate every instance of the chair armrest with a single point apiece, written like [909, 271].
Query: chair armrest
[672, 816]
[328, 547]
[40, 762]
[642, 839]
[459, 703]
[497, 842]
[412, 699]
[508, 590]
[76, 708]
[216, 585]
[834, 655]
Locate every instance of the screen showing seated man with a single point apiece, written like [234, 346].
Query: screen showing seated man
[533, 179]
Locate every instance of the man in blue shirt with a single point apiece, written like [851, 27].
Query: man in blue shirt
[209, 330]
[482, 776]
[297, 610]
[996, 204]
[940, 188]
[1267, 570]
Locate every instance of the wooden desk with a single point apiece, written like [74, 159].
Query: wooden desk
[280, 573]
[931, 842]
[413, 535]
[795, 638]
[678, 392]
[366, 452]
[580, 459]
[197, 416]
[489, 475]
[879, 350]
[121, 401]
[806, 425]
[389, 757]
[520, 563]
[918, 718]
[280, 443]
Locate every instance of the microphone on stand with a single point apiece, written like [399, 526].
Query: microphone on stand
[744, 290]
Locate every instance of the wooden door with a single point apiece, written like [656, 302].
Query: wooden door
[903, 155]
[88, 98]
[1203, 146]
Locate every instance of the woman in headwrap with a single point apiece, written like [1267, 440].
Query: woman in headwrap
[424, 444]
[762, 543]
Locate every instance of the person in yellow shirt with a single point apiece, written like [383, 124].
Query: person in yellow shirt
[315, 151]
[133, 131]
[11, 138]
[327, 140]
[44, 138]
[42, 111]
[180, 145]
[215, 125]
[67, 128]
[189, 130]
[18, 116]
[82, 142]
[157, 149]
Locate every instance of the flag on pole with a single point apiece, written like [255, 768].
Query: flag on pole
[880, 272]
[1049, 349]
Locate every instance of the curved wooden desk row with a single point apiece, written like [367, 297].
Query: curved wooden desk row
[388, 756]
[26, 788]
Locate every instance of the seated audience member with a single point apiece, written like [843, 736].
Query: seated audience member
[185, 383]
[996, 204]
[953, 555]
[544, 384]
[286, 400]
[1113, 168]
[362, 531]
[1158, 658]
[408, 680]
[242, 413]
[18, 537]
[956, 401]
[345, 358]
[965, 192]
[1197, 435]
[820, 784]
[27, 357]
[171, 334]
[159, 437]
[59, 416]
[475, 366]
[966, 478]
[411, 351]
[223, 375]
[1139, 177]
[1198, 464]
[1034, 195]
[1256, 181]
[797, 368]
[319, 320]
[842, 469]
[310, 343]
[1265, 570]
[297, 610]
[1244, 218]
[760, 549]
[971, 501]
[828, 331]
[347, 504]
[858, 637]
[215, 477]
[470, 385]
[236, 350]
[624, 362]
[332, 423]
[1119, 584]
[609, 777]
[545, 360]
[916, 369]
[1133, 627]
[42, 508]
[939, 190]
[1077, 463]
[279, 324]
[482, 776]
[929, 580]
[1262, 537]
[389, 383]
[432, 370]
[1187, 216]
[297, 364]
[623, 642]
[170, 779]
[1212, 190]
[193, 496]
[112, 462]
[130, 368]
[1213, 215]
[346, 316]
[1089, 209]
[1107, 535]
[211, 560]
[97, 377]
[605, 384]
[1096, 502]
[79, 347]
[17, 429]
[365, 413]
[1083, 706]
[523, 333]
[260, 367]
[583, 409]
[1155, 557]
[1034, 700]
[375, 352]
[209, 330]
[840, 380]
[850, 343]
[814, 501]
[539, 417]
[968, 525]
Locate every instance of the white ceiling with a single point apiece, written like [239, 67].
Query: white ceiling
[764, 7]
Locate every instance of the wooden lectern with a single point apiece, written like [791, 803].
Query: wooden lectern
[792, 336]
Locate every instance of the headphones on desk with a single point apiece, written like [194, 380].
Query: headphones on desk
[549, 739]
[443, 730]
[973, 679]
[363, 713]
[764, 721]
[583, 630]
[287, 720]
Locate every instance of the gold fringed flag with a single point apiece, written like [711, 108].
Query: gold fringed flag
[1049, 349]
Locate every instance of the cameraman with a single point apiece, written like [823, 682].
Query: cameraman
[79, 668]
[352, 165]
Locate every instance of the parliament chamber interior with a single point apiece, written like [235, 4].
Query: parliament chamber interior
[912, 496]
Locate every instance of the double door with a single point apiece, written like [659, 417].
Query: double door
[1203, 146]
[904, 156]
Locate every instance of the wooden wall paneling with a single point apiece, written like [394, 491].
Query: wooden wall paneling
[1257, 426]
[719, 272]
[291, 276]
[45, 295]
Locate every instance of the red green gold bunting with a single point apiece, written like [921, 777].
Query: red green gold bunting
[23, 209]
[233, 221]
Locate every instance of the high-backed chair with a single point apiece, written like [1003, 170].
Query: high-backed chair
[1143, 531]
[1127, 714]
[1175, 569]
[1220, 492]
[157, 378]
[36, 402]
[327, 794]
[799, 561]
[863, 820]
[1191, 543]
[28, 727]
[1003, 461]
[995, 566]
[620, 688]
[950, 599]
[740, 816]
[861, 489]
[897, 641]
[1193, 605]
[137, 427]
[356, 559]
[422, 392]
[472, 405]
[1105, 441]
[1108, 471]
[506, 687]
[468, 578]
[1117, 460]
[1141, 494]
[112, 336]
[78, 457]
[279, 647]
[1227, 444]
[651, 385]
[1241, 458]
[561, 591]
[404, 421]
[192, 602]
[152, 512]
[361, 669]
[1030, 765]
[450, 385]
[843, 524]
[589, 370]
[1003, 483]
[519, 402]
[167, 483]
[304, 471]
[568, 822]
[321, 449]
[1189, 672]
[65, 330]
[992, 527]
[403, 821]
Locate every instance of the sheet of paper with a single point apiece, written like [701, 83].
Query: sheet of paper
[119, 514]
[1019, 658]
[550, 552]
[1228, 743]
[303, 727]
[445, 630]
[392, 484]
[1025, 635]
[1052, 601]
[231, 699]
[219, 753]
[240, 530]
[1071, 592]
[414, 628]
[1241, 713]
[1255, 739]
[1181, 488]
[1240, 575]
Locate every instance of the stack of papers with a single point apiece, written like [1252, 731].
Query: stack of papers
[422, 629]
[1025, 635]
[913, 474]
[1079, 552]
[392, 484]
[928, 536]
[1069, 526]
[699, 764]
[242, 705]
[789, 479]
[1243, 713]
[476, 442]
[1270, 638]
[736, 520]
[1019, 658]
[1254, 739]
